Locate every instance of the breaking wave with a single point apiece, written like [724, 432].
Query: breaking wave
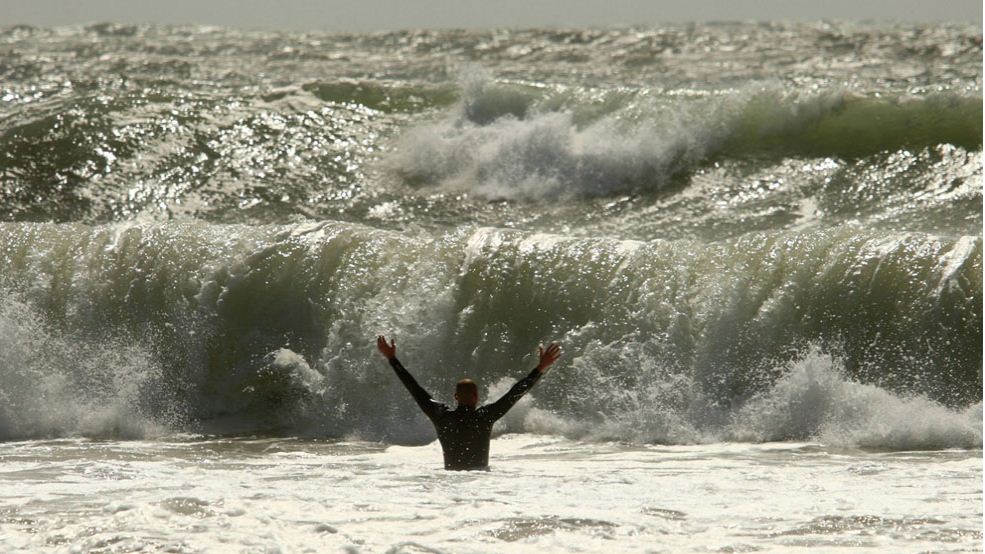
[130, 330]
[510, 142]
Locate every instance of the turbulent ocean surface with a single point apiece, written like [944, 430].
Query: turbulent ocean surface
[759, 244]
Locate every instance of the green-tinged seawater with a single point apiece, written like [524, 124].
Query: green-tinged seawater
[760, 246]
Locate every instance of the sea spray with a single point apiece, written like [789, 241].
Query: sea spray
[58, 384]
[816, 401]
[669, 339]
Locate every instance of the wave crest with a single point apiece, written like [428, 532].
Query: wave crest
[123, 329]
[510, 142]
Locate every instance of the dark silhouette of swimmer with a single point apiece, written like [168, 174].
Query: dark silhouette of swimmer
[464, 432]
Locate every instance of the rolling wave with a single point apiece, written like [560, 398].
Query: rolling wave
[246, 329]
[507, 142]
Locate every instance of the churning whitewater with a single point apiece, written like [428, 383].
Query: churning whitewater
[759, 244]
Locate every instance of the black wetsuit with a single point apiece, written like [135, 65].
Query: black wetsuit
[464, 432]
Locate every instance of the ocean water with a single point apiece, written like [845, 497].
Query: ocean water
[760, 246]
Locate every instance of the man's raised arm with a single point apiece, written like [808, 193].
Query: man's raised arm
[421, 396]
[547, 357]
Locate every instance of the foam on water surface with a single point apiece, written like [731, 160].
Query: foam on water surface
[543, 494]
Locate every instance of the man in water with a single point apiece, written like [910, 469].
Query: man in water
[464, 432]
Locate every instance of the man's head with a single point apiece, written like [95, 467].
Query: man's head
[467, 393]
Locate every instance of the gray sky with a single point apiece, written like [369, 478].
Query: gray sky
[368, 15]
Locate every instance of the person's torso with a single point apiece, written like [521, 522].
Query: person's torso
[464, 435]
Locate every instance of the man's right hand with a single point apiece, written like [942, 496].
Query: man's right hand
[388, 350]
[548, 357]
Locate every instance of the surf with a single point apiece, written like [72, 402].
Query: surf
[200, 326]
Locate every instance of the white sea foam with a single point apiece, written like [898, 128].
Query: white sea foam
[502, 141]
[292, 364]
[547, 154]
[58, 385]
[815, 400]
[543, 494]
